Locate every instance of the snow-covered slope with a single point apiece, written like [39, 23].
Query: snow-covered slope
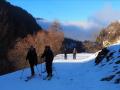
[110, 64]
[79, 74]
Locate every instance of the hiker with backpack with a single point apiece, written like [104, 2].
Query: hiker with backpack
[48, 55]
[32, 58]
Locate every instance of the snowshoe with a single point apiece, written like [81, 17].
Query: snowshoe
[29, 78]
[48, 78]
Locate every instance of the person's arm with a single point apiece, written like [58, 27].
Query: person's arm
[27, 56]
[52, 55]
[44, 53]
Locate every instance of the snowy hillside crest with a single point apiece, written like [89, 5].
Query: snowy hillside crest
[108, 60]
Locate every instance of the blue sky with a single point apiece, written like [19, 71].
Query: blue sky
[65, 10]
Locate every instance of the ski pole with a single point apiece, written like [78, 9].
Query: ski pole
[21, 74]
[23, 70]
[44, 68]
[41, 65]
[56, 73]
[38, 71]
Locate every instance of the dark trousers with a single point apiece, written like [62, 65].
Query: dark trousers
[49, 68]
[32, 69]
[65, 56]
[74, 55]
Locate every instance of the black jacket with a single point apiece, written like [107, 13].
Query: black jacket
[32, 57]
[48, 55]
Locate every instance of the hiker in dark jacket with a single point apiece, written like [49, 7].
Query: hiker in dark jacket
[32, 58]
[48, 55]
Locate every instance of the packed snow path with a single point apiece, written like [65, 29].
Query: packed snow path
[79, 74]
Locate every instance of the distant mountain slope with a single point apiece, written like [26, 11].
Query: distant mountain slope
[108, 62]
[15, 23]
[70, 44]
[86, 46]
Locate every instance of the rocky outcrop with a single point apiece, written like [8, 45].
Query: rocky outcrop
[110, 34]
[91, 47]
[101, 55]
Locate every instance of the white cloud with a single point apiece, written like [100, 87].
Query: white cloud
[106, 15]
[76, 30]
[81, 30]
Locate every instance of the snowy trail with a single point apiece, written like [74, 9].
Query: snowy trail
[80, 74]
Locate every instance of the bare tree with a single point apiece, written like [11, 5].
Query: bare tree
[55, 26]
